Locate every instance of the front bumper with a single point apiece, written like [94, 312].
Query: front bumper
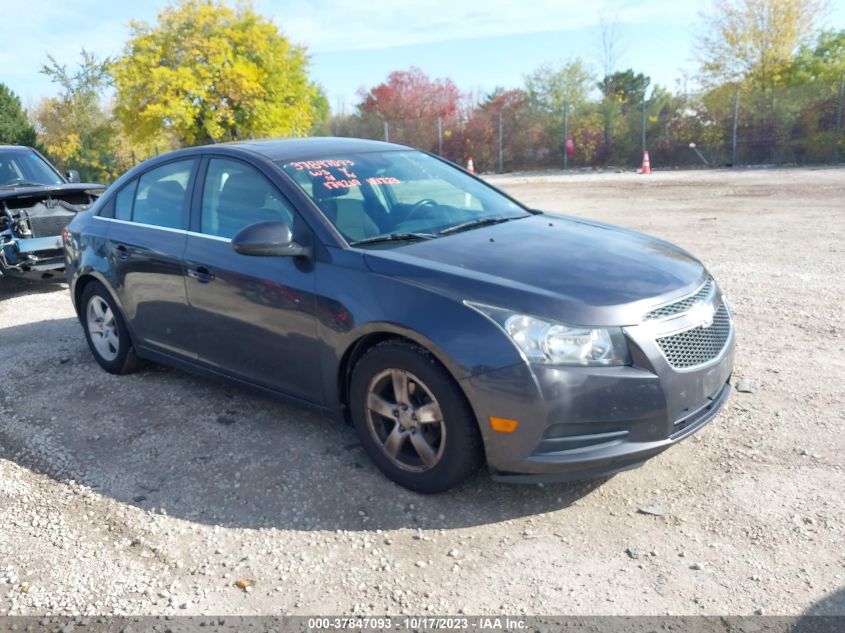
[34, 256]
[582, 422]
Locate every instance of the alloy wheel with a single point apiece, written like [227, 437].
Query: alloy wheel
[102, 328]
[405, 420]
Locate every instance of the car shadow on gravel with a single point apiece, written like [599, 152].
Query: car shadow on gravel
[213, 453]
[831, 605]
[825, 616]
[11, 287]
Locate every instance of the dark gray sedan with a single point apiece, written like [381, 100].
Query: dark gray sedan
[449, 323]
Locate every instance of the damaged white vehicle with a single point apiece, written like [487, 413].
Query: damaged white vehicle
[36, 203]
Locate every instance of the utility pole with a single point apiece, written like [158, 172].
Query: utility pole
[439, 135]
[645, 121]
[565, 134]
[839, 118]
[386, 132]
[501, 144]
[736, 124]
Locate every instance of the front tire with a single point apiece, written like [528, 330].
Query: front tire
[412, 418]
[106, 332]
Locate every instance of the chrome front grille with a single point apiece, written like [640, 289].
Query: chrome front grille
[683, 305]
[699, 345]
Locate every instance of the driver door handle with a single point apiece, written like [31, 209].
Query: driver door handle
[201, 274]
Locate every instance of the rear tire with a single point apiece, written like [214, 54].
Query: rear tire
[413, 419]
[106, 332]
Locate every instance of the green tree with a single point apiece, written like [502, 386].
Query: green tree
[819, 73]
[75, 129]
[824, 60]
[755, 41]
[206, 72]
[550, 88]
[15, 128]
[320, 125]
[626, 87]
[621, 92]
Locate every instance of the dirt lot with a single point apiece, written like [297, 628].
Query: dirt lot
[154, 493]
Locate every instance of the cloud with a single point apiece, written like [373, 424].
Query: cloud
[339, 25]
[32, 29]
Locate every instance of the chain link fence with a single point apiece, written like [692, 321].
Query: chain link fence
[799, 125]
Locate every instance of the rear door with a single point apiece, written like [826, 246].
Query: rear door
[147, 241]
[254, 316]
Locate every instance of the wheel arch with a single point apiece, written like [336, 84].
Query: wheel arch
[376, 335]
[83, 280]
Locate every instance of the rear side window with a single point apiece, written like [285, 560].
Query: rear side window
[161, 194]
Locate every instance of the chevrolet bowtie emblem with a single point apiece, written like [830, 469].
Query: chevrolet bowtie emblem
[703, 313]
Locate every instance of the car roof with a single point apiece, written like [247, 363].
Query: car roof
[15, 147]
[289, 149]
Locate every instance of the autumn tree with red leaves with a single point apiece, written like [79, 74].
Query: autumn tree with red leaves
[411, 102]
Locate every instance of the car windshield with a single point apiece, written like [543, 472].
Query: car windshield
[397, 196]
[23, 167]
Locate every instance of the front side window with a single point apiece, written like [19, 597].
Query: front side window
[236, 195]
[398, 193]
[161, 195]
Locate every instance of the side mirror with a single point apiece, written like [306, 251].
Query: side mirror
[268, 239]
[72, 175]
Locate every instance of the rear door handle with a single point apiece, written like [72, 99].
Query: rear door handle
[121, 251]
[201, 274]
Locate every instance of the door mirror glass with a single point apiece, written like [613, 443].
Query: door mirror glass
[268, 239]
[72, 175]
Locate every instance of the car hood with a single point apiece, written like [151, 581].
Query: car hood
[573, 270]
[40, 190]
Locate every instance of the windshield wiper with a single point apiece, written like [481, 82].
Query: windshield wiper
[393, 237]
[475, 223]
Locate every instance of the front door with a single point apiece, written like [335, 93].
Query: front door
[254, 316]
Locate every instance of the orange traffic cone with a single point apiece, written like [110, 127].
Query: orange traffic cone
[646, 169]
[470, 166]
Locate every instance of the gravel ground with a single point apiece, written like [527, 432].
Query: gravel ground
[162, 493]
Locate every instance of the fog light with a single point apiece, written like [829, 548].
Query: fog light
[503, 425]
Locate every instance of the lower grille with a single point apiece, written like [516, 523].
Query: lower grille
[698, 345]
[49, 225]
[696, 418]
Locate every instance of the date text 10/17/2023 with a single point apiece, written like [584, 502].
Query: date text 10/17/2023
[411, 623]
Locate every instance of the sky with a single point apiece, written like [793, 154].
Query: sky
[480, 44]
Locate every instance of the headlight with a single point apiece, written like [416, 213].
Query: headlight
[553, 343]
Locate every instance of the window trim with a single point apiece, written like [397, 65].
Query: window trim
[162, 228]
